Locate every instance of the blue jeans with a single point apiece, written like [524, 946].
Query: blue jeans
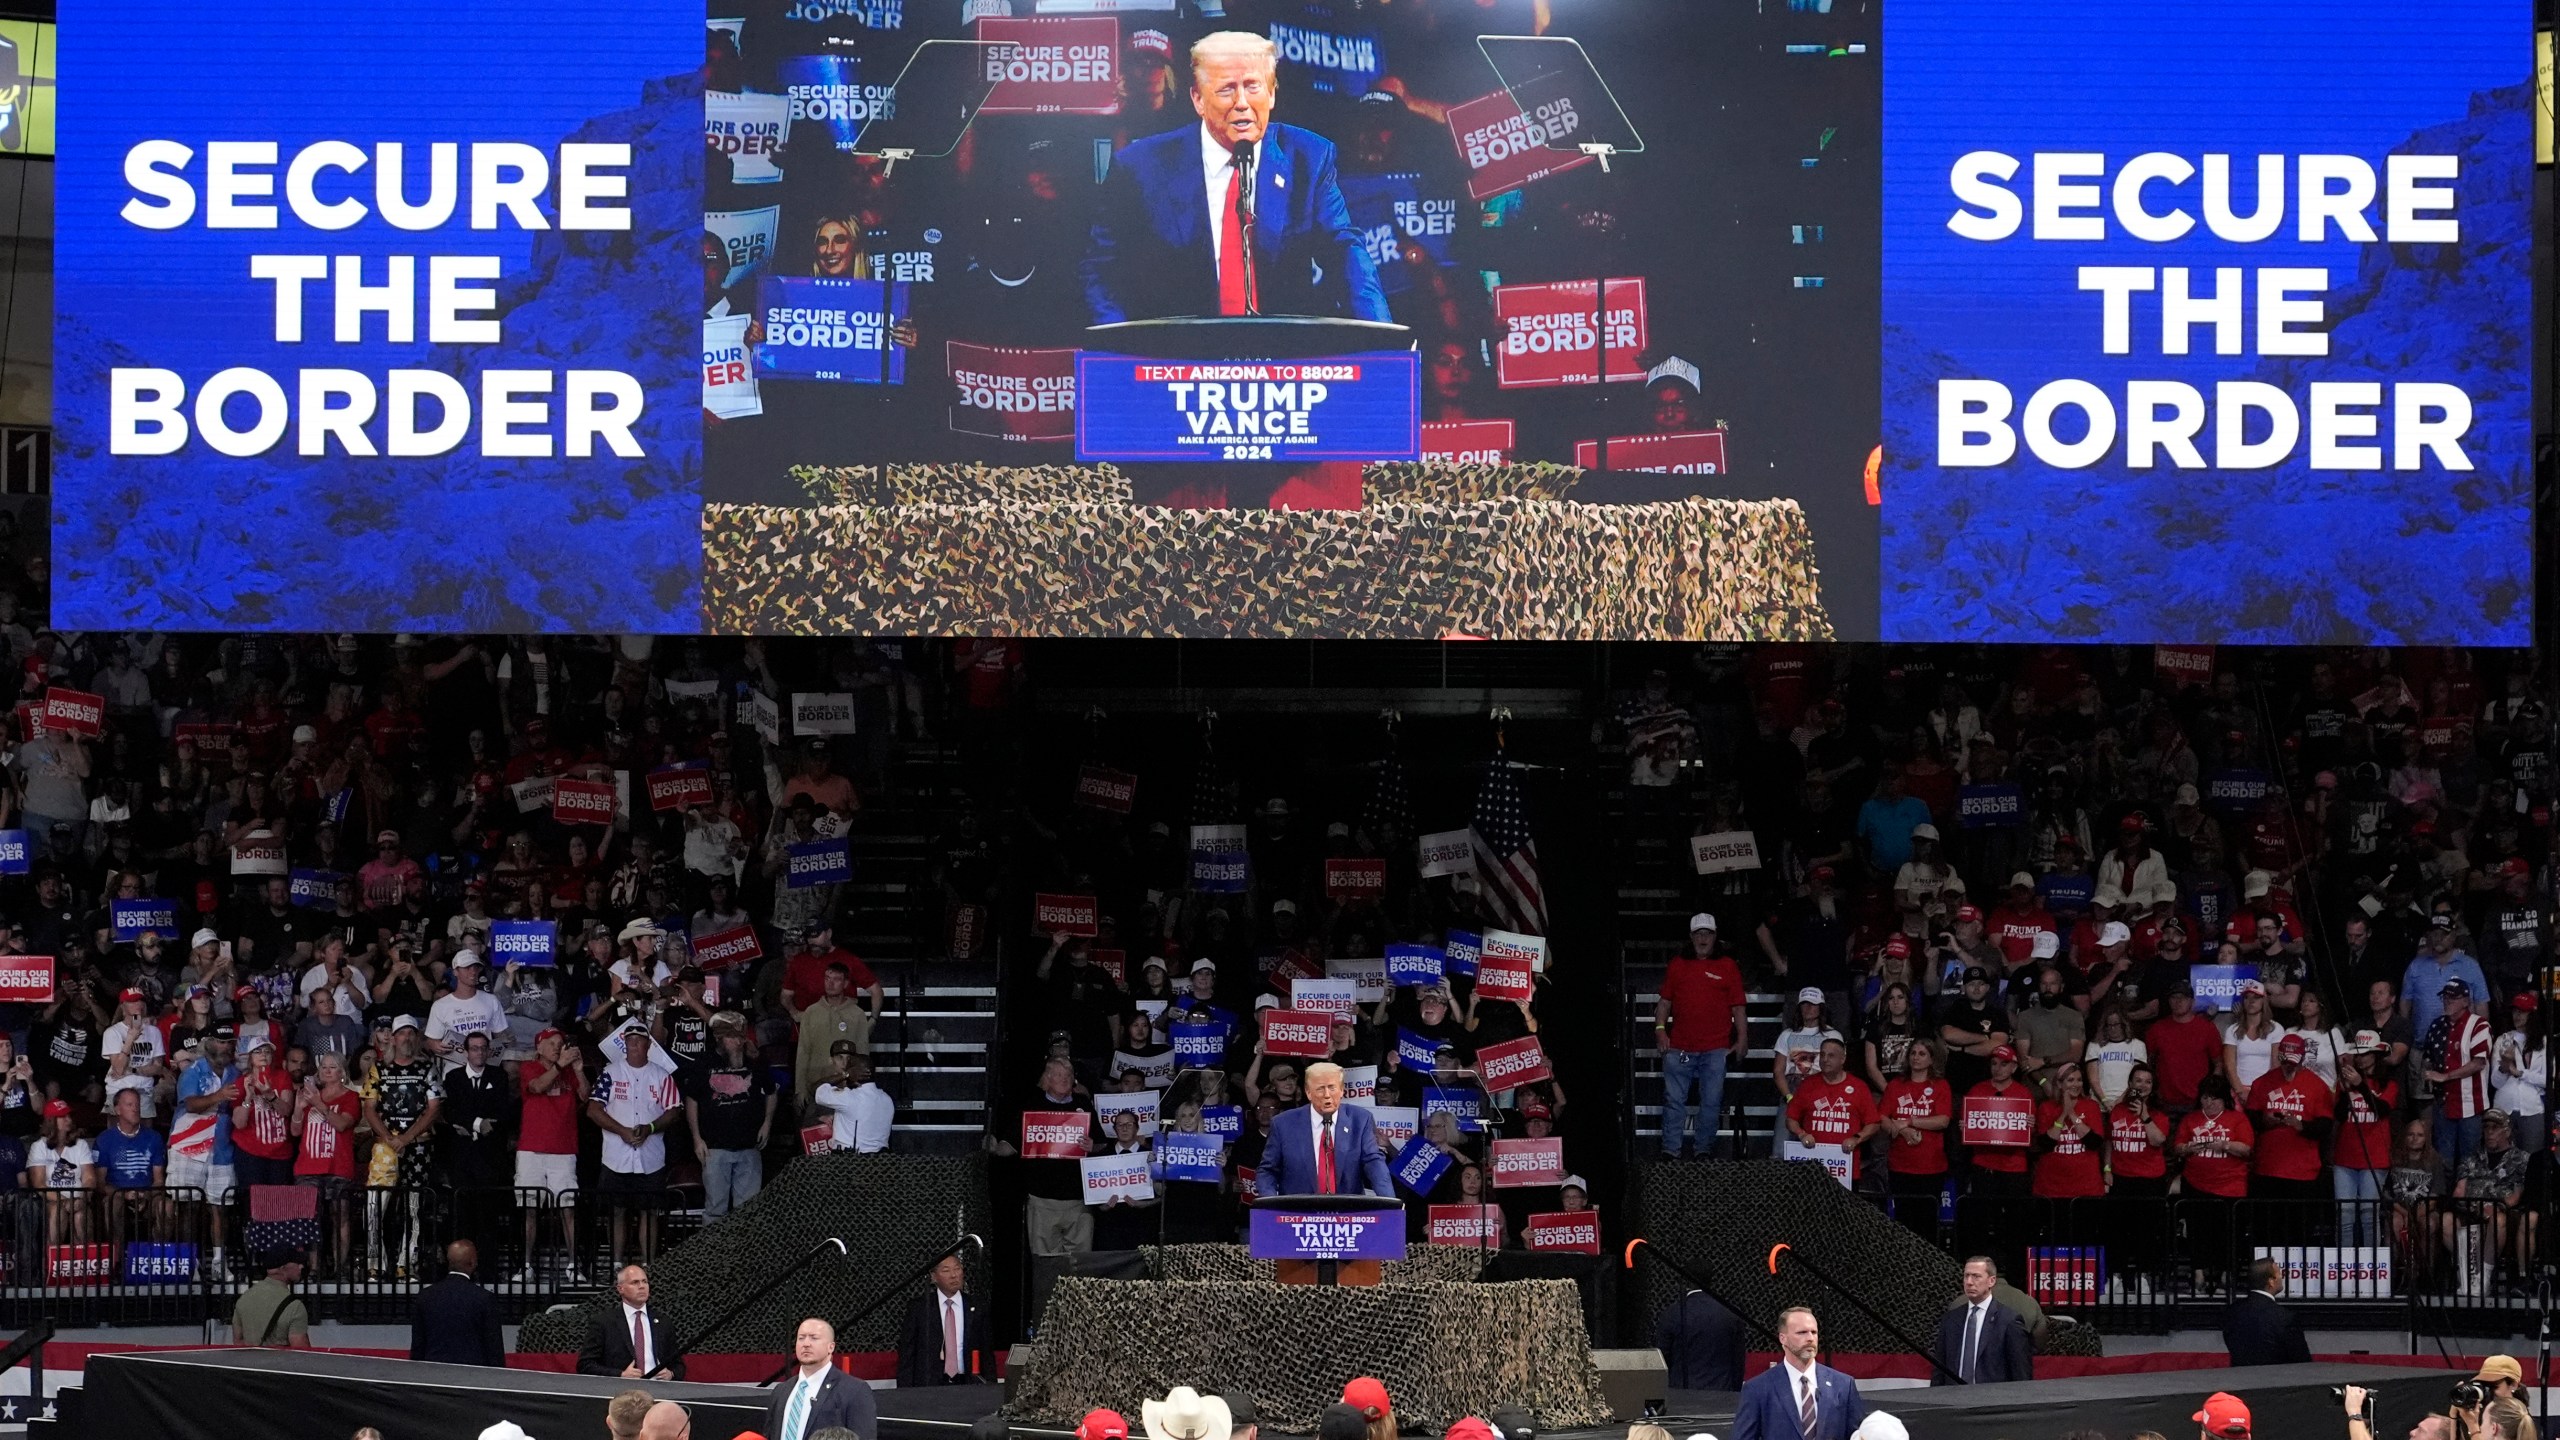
[2456, 1140]
[1681, 1069]
[730, 1178]
[2359, 1195]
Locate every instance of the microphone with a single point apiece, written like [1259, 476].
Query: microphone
[1243, 151]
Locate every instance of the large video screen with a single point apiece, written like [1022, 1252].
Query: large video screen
[1514, 318]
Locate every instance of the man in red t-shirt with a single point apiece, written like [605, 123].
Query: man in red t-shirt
[2001, 1169]
[554, 1086]
[2291, 1108]
[1697, 1021]
[806, 978]
[2185, 1048]
[2018, 919]
[1832, 1107]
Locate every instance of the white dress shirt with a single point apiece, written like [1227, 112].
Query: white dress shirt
[863, 1114]
[807, 1383]
[1216, 159]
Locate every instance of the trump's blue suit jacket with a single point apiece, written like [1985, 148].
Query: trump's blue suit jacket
[1150, 250]
[1289, 1161]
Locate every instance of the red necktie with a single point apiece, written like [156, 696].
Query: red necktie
[1324, 1160]
[640, 1340]
[1231, 254]
[950, 1338]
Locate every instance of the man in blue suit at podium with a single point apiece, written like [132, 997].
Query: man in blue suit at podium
[1324, 1147]
[1177, 208]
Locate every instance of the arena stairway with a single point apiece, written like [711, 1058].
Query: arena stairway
[938, 1026]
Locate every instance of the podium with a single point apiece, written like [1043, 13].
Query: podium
[1327, 1239]
[1246, 337]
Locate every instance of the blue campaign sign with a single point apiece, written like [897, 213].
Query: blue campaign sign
[1415, 964]
[1276, 1234]
[1415, 1052]
[1198, 1044]
[1991, 807]
[826, 93]
[314, 889]
[1218, 859]
[819, 862]
[2235, 790]
[1460, 949]
[412, 260]
[1354, 407]
[132, 918]
[1331, 60]
[523, 942]
[151, 1262]
[823, 328]
[15, 858]
[1420, 1164]
[2174, 278]
[1467, 1105]
[336, 809]
[2066, 892]
[2218, 986]
[1224, 1121]
[1190, 1157]
[1394, 210]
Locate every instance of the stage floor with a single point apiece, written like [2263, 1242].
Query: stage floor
[2288, 1402]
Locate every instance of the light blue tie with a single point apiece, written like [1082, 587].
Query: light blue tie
[796, 1413]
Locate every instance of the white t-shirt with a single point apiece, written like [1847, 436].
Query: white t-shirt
[2255, 1057]
[1802, 1050]
[863, 1113]
[139, 1084]
[61, 1168]
[2111, 1065]
[148, 1047]
[2520, 1093]
[634, 1095]
[2320, 1054]
[353, 995]
[455, 1019]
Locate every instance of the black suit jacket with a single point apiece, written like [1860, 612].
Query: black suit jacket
[841, 1400]
[920, 1339]
[1701, 1343]
[456, 1322]
[2005, 1353]
[2258, 1330]
[608, 1347]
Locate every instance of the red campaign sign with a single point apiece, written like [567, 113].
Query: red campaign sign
[80, 1264]
[1053, 65]
[1503, 977]
[818, 1139]
[1009, 394]
[1297, 1032]
[1293, 964]
[1692, 452]
[2438, 732]
[1066, 915]
[1468, 442]
[1547, 337]
[1248, 1185]
[582, 802]
[1573, 1231]
[1355, 879]
[2183, 664]
[26, 979]
[1504, 149]
[1528, 1162]
[1104, 788]
[75, 711]
[1513, 1062]
[1997, 1120]
[673, 788]
[1114, 963]
[201, 731]
[1466, 1224]
[30, 718]
[1055, 1134]
[723, 948]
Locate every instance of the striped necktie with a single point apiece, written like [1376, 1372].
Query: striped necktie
[1806, 1415]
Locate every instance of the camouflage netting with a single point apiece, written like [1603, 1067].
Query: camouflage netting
[967, 484]
[894, 1211]
[1444, 1350]
[1422, 1265]
[1506, 568]
[1720, 1219]
[1438, 480]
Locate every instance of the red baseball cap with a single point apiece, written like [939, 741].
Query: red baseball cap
[1967, 912]
[53, 1108]
[129, 994]
[2526, 1000]
[1368, 1395]
[1102, 1425]
[2293, 1045]
[1899, 947]
[2223, 1414]
[2004, 1052]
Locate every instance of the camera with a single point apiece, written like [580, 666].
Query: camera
[2467, 1395]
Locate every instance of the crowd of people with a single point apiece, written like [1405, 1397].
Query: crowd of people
[316, 921]
[2061, 925]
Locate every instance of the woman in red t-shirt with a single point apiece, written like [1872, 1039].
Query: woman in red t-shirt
[2213, 1145]
[2138, 1175]
[2361, 1160]
[326, 1113]
[1917, 1109]
[2070, 1134]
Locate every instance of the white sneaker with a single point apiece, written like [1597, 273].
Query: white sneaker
[523, 1275]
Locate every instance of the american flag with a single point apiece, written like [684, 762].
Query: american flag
[1390, 809]
[1506, 858]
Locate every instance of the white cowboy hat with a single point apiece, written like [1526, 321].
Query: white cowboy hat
[1186, 1414]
